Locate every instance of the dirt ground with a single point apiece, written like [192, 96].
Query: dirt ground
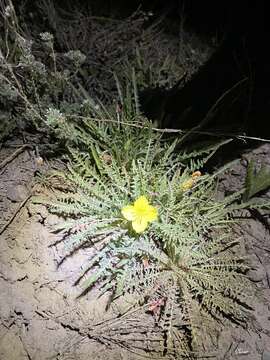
[40, 316]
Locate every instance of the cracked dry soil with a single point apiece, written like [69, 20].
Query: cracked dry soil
[40, 316]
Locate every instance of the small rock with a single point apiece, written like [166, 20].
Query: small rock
[266, 355]
[17, 193]
[52, 220]
[241, 351]
[244, 162]
[41, 210]
[258, 272]
[256, 275]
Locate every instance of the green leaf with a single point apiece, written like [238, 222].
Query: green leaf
[87, 284]
[256, 182]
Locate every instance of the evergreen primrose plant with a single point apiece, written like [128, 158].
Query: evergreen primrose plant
[138, 199]
[153, 220]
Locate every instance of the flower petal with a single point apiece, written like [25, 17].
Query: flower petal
[196, 174]
[152, 213]
[141, 203]
[186, 185]
[129, 212]
[139, 225]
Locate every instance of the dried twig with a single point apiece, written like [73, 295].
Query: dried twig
[14, 155]
[21, 205]
[177, 131]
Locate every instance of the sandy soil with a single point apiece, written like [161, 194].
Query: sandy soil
[40, 316]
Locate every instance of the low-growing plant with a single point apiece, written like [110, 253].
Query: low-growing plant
[138, 199]
[154, 223]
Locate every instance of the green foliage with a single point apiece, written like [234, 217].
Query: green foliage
[165, 74]
[183, 265]
[42, 68]
[32, 77]
[6, 125]
[256, 181]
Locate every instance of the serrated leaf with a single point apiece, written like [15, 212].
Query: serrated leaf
[87, 284]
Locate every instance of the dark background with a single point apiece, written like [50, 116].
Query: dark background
[242, 29]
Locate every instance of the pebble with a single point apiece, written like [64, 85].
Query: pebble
[41, 210]
[52, 220]
[257, 275]
[241, 351]
[17, 193]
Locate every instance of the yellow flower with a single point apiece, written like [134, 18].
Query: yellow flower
[196, 174]
[141, 213]
[186, 185]
[189, 183]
